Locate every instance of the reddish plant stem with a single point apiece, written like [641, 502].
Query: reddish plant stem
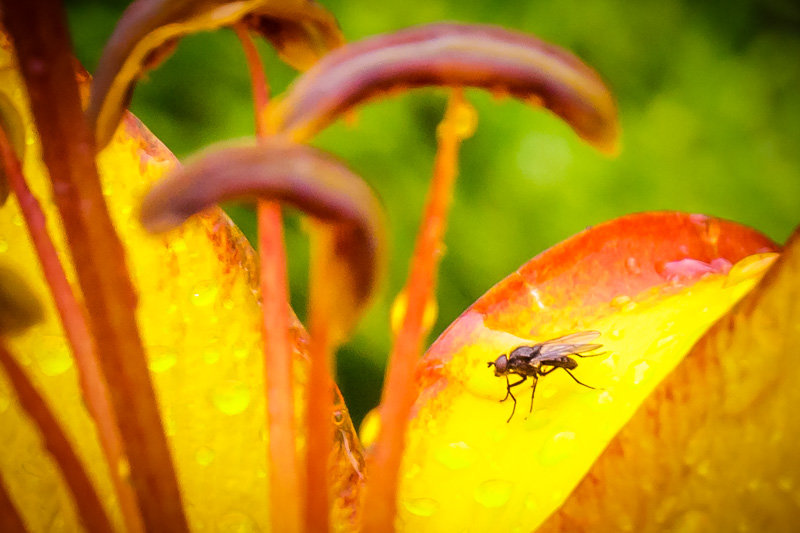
[87, 502]
[380, 506]
[73, 321]
[41, 39]
[10, 519]
[320, 393]
[284, 482]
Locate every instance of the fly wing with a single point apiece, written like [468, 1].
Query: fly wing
[573, 343]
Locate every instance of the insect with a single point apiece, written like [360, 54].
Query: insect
[530, 361]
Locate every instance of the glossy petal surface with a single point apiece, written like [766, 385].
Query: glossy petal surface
[200, 321]
[650, 283]
[714, 448]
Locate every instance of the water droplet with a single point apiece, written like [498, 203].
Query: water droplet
[55, 361]
[204, 456]
[231, 397]
[616, 334]
[18, 221]
[663, 341]
[493, 493]
[604, 398]
[633, 266]
[532, 502]
[640, 370]
[619, 301]
[204, 293]
[421, 506]
[237, 523]
[692, 521]
[161, 359]
[557, 448]
[210, 356]
[786, 483]
[456, 455]
[3, 246]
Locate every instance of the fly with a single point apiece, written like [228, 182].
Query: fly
[529, 361]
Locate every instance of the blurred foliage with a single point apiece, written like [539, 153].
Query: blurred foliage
[709, 106]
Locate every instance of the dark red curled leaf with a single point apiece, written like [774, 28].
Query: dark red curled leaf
[451, 54]
[148, 31]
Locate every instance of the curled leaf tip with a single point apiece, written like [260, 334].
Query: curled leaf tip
[450, 54]
[301, 176]
[149, 30]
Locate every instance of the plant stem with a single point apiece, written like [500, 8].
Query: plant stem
[41, 40]
[383, 467]
[87, 502]
[73, 321]
[320, 389]
[285, 495]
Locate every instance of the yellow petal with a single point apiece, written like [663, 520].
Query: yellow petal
[714, 448]
[651, 284]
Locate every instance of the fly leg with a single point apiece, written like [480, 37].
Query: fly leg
[533, 391]
[579, 382]
[509, 385]
[509, 393]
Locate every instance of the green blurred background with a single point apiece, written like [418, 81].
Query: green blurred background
[709, 99]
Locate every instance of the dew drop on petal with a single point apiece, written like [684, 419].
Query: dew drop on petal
[786, 483]
[3, 246]
[493, 493]
[161, 359]
[619, 301]
[421, 506]
[54, 361]
[210, 356]
[557, 448]
[231, 397]
[604, 398]
[204, 293]
[204, 456]
[633, 266]
[456, 455]
[236, 522]
[640, 370]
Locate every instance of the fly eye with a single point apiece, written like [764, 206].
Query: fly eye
[500, 364]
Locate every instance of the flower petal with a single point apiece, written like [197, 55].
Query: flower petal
[714, 447]
[635, 281]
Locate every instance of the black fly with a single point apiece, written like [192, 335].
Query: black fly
[527, 361]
